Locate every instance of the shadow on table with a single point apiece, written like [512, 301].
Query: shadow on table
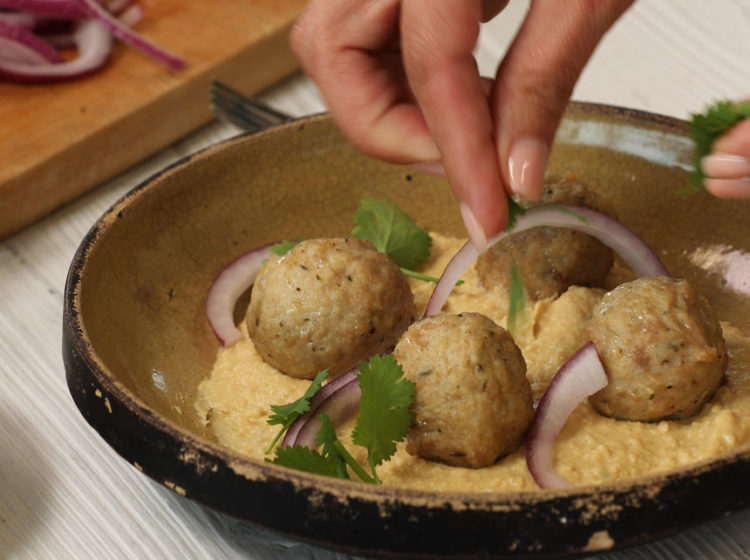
[251, 542]
[267, 544]
[25, 482]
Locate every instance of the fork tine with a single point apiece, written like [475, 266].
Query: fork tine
[230, 105]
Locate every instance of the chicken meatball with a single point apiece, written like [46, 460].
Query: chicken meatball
[551, 259]
[328, 303]
[662, 348]
[473, 403]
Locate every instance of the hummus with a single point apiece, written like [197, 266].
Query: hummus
[235, 399]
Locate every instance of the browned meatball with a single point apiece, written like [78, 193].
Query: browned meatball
[551, 259]
[662, 348]
[328, 303]
[473, 403]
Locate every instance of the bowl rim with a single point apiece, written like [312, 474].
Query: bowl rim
[254, 469]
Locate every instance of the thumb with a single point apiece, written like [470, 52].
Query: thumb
[535, 81]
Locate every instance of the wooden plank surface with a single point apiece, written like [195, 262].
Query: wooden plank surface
[59, 140]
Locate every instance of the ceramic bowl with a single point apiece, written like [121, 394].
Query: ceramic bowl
[137, 343]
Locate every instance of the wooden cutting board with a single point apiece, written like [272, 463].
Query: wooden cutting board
[57, 141]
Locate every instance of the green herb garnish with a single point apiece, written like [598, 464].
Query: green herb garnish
[384, 419]
[283, 247]
[286, 414]
[306, 459]
[384, 415]
[706, 128]
[517, 297]
[514, 210]
[392, 232]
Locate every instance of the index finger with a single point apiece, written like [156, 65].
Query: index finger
[437, 40]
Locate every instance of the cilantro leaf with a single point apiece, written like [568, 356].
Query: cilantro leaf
[384, 415]
[392, 232]
[283, 247]
[306, 459]
[514, 210]
[706, 127]
[327, 437]
[286, 414]
[517, 296]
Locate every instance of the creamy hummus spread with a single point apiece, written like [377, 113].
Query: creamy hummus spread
[235, 399]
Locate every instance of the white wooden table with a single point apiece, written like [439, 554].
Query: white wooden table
[65, 494]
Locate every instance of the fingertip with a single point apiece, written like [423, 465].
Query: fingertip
[728, 188]
[527, 162]
[473, 228]
[484, 220]
[725, 166]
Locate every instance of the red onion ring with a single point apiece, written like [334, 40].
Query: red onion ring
[94, 44]
[456, 268]
[580, 377]
[229, 285]
[131, 16]
[118, 6]
[62, 9]
[18, 45]
[19, 19]
[606, 229]
[127, 35]
[338, 398]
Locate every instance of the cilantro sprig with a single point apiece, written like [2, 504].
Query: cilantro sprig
[383, 420]
[706, 127]
[286, 414]
[384, 415]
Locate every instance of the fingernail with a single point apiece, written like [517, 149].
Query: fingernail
[729, 188]
[526, 165]
[725, 166]
[475, 231]
[430, 167]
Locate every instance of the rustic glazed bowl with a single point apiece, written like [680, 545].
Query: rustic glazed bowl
[137, 343]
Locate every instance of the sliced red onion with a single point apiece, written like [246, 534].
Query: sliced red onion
[19, 19]
[19, 45]
[118, 6]
[131, 16]
[61, 40]
[30, 10]
[62, 9]
[456, 268]
[237, 277]
[340, 404]
[306, 425]
[580, 377]
[94, 43]
[606, 229]
[127, 35]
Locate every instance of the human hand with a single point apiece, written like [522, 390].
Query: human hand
[400, 79]
[727, 168]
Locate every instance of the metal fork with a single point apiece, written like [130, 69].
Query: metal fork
[232, 106]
